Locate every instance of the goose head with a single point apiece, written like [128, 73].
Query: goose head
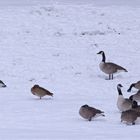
[100, 52]
[2, 84]
[103, 56]
[85, 106]
[119, 86]
[36, 86]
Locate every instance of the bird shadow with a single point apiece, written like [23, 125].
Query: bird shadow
[42, 99]
[102, 76]
[93, 120]
[119, 76]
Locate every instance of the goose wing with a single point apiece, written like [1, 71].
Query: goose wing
[44, 90]
[127, 104]
[95, 111]
[114, 67]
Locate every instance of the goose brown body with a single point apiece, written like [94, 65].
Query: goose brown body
[110, 68]
[88, 112]
[40, 91]
[130, 116]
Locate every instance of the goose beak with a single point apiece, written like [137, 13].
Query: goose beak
[119, 85]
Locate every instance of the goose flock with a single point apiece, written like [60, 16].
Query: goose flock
[129, 108]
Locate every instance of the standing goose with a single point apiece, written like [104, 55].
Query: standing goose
[108, 67]
[123, 104]
[135, 85]
[135, 97]
[40, 92]
[88, 112]
[130, 116]
[2, 84]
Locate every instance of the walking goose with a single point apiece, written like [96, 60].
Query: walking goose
[40, 92]
[108, 67]
[135, 85]
[135, 97]
[2, 84]
[123, 104]
[130, 116]
[88, 112]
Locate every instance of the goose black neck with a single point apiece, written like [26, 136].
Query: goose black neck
[119, 91]
[103, 57]
[132, 85]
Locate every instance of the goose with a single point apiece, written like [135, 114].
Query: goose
[108, 67]
[2, 84]
[135, 85]
[40, 91]
[135, 97]
[89, 113]
[129, 116]
[123, 104]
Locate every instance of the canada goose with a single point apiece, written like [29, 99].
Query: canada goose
[135, 97]
[123, 104]
[2, 84]
[135, 85]
[130, 116]
[108, 67]
[40, 92]
[88, 112]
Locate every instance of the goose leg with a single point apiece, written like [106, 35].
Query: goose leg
[89, 118]
[109, 76]
[112, 76]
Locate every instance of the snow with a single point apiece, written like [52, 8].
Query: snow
[55, 45]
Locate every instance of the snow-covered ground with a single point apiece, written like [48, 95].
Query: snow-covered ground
[71, 2]
[55, 45]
